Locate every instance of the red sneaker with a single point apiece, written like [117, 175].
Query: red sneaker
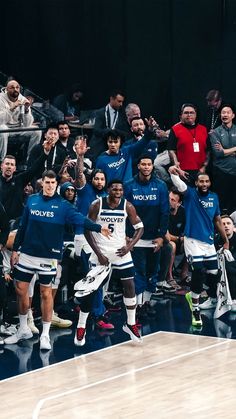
[102, 323]
[133, 332]
[79, 339]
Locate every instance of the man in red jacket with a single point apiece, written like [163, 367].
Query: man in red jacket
[188, 143]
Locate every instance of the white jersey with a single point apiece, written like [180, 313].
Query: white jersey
[115, 219]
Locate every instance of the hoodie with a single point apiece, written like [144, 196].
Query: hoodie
[11, 118]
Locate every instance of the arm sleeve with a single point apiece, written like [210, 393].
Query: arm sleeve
[180, 185]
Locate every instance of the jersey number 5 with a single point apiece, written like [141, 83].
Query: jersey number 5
[111, 227]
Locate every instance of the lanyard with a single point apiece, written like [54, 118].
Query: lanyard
[53, 159]
[113, 124]
[213, 118]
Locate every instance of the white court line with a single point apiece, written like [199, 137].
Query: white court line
[201, 336]
[41, 402]
[72, 359]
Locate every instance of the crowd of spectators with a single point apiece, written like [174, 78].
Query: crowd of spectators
[122, 145]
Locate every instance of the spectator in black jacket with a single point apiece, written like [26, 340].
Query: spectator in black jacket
[12, 185]
[55, 157]
[109, 117]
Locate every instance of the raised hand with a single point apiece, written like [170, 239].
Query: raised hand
[80, 146]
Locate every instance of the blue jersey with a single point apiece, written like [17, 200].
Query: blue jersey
[85, 197]
[119, 166]
[42, 227]
[151, 148]
[151, 202]
[200, 211]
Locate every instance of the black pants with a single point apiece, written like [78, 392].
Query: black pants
[225, 186]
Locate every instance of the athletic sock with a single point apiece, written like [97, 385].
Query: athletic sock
[46, 327]
[82, 319]
[131, 316]
[23, 320]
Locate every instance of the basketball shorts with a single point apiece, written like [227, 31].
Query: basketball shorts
[124, 264]
[200, 254]
[27, 266]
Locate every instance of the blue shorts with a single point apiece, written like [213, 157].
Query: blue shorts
[30, 265]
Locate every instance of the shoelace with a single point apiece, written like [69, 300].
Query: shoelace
[80, 333]
[135, 330]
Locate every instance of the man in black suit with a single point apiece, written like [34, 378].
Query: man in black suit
[109, 117]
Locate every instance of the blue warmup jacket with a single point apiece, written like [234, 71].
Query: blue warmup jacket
[85, 197]
[119, 166]
[200, 212]
[151, 201]
[42, 227]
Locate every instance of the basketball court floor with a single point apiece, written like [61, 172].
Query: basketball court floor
[175, 372]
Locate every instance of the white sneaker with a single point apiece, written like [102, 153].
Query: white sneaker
[58, 322]
[208, 304]
[31, 325]
[166, 287]
[8, 329]
[21, 334]
[45, 343]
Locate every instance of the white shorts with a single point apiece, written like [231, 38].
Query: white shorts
[80, 244]
[30, 265]
[201, 253]
[123, 264]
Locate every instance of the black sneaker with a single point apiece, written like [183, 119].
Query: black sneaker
[133, 332]
[196, 318]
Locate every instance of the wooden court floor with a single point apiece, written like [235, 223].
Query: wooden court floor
[169, 375]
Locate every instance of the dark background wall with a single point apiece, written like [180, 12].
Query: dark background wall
[161, 52]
